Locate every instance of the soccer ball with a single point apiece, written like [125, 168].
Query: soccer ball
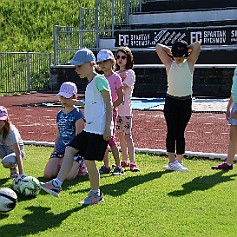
[29, 186]
[8, 199]
[17, 182]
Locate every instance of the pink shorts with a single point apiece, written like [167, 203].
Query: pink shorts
[124, 124]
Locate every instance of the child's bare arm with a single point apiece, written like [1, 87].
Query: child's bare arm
[80, 124]
[120, 97]
[17, 151]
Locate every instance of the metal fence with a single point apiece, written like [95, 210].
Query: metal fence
[24, 71]
[95, 24]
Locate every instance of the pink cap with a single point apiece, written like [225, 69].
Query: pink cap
[3, 113]
[68, 89]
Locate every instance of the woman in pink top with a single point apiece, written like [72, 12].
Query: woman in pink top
[106, 62]
[124, 65]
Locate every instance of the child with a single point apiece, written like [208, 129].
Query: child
[92, 142]
[124, 65]
[70, 122]
[106, 62]
[179, 63]
[11, 145]
[231, 116]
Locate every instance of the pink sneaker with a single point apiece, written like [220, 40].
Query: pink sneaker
[134, 168]
[125, 164]
[222, 166]
[82, 169]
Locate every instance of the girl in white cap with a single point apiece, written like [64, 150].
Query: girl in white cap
[106, 62]
[70, 122]
[11, 145]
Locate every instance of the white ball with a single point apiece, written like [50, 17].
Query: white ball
[29, 186]
[17, 182]
[8, 199]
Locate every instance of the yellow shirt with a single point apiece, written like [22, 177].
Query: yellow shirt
[180, 79]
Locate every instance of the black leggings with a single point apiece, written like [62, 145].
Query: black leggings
[177, 114]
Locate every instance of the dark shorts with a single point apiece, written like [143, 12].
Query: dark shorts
[57, 155]
[89, 145]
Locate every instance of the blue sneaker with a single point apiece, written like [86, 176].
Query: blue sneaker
[92, 198]
[50, 188]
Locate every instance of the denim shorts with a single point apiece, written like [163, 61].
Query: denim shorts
[233, 121]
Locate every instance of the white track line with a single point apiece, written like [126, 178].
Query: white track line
[210, 156]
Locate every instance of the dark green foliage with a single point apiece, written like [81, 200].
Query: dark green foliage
[27, 25]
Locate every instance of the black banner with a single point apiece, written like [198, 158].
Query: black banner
[149, 38]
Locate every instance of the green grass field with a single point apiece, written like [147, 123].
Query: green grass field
[152, 202]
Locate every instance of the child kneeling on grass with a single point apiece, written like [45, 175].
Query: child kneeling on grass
[70, 122]
[11, 145]
[92, 142]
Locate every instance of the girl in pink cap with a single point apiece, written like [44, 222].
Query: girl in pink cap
[11, 145]
[70, 121]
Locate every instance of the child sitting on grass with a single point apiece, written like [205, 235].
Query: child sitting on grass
[70, 122]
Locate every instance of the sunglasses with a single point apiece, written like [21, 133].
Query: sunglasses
[122, 57]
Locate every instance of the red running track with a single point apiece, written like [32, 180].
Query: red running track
[206, 132]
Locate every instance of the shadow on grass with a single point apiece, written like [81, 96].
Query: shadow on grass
[202, 183]
[3, 181]
[67, 183]
[121, 187]
[40, 219]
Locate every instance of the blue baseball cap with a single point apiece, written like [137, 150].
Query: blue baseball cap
[83, 56]
[104, 54]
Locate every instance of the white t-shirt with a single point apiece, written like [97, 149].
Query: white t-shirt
[95, 108]
[125, 109]
[12, 138]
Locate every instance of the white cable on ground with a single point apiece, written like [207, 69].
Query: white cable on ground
[211, 156]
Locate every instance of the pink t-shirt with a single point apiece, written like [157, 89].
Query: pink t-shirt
[125, 109]
[115, 82]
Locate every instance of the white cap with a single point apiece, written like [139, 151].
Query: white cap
[104, 54]
[68, 89]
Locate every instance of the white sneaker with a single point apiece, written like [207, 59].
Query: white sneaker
[176, 166]
[166, 167]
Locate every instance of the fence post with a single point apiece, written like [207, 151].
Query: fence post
[55, 39]
[81, 27]
[112, 18]
[127, 11]
[28, 72]
[97, 23]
